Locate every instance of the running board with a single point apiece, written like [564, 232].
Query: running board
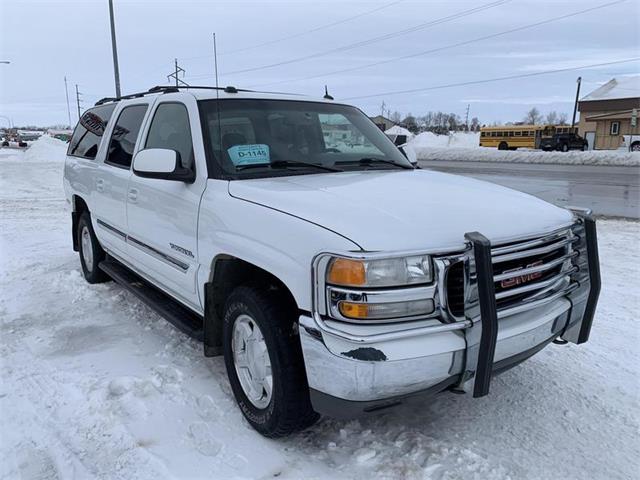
[179, 316]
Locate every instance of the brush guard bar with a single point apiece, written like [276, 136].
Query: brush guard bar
[480, 323]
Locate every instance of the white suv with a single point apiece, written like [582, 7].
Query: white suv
[292, 236]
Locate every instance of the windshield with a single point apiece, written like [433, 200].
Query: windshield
[250, 138]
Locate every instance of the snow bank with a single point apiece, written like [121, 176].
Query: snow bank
[454, 139]
[591, 157]
[45, 149]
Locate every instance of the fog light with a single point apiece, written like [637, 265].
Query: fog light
[378, 311]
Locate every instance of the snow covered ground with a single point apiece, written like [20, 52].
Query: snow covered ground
[464, 146]
[95, 385]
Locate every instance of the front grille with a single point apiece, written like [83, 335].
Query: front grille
[455, 289]
[523, 271]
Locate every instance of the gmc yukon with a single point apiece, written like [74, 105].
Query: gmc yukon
[293, 237]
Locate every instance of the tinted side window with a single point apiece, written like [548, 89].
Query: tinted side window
[125, 134]
[88, 133]
[170, 129]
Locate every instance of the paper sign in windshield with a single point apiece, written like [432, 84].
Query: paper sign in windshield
[249, 154]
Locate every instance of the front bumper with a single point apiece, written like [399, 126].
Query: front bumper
[361, 368]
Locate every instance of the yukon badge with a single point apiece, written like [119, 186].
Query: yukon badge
[178, 248]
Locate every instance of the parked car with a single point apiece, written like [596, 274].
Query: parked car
[334, 281]
[564, 142]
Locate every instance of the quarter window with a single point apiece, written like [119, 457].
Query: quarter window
[170, 129]
[615, 128]
[88, 133]
[124, 136]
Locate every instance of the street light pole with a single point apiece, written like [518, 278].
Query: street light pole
[114, 48]
[575, 105]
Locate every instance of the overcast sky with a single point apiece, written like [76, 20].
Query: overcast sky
[46, 40]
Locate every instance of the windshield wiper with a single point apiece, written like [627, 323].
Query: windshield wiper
[369, 161]
[288, 163]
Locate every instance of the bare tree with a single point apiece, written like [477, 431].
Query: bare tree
[475, 124]
[551, 118]
[532, 117]
[395, 117]
[562, 119]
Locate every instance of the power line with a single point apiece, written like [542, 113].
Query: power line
[370, 41]
[301, 34]
[495, 79]
[446, 47]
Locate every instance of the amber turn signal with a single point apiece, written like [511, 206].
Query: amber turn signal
[344, 271]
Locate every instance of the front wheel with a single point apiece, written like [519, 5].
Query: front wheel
[564, 147]
[635, 147]
[91, 253]
[503, 146]
[264, 362]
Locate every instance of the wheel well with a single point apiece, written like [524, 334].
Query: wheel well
[229, 273]
[79, 207]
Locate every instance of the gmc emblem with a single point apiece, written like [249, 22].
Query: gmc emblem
[512, 282]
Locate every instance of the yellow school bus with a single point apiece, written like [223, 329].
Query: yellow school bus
[511, 137]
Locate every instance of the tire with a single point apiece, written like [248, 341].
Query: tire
[584, 148]
[503, 146]
[287, 408]
[635, 147]
[91, 253]
[564, 147]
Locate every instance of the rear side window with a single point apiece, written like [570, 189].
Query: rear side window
[88, 133]
[124, 136]
[170, 129]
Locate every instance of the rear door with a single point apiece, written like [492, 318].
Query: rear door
[163, 214]
[112, 178]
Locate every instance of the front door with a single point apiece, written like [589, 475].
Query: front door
[590, 137]
[163, 214]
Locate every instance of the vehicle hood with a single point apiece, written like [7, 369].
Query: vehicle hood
[404, 210]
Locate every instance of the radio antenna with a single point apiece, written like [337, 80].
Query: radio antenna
[215, 64]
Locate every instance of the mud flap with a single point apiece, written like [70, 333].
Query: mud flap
[481, 338]
[585, 298]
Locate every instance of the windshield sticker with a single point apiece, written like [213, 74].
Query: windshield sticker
[249, 154]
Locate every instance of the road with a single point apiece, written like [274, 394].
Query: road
[610, 191]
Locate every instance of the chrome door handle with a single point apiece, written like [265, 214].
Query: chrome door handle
[133, 195]
[100, 185]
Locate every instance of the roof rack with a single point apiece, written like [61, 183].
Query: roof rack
[172, 89]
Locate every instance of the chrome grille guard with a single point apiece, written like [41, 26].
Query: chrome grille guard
[577, 280]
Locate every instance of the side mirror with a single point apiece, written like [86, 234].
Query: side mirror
[161, 163]
[408, 151]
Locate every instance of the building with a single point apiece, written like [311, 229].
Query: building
[607, 114]
[383, 123]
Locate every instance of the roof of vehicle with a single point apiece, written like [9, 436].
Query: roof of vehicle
[211, 93]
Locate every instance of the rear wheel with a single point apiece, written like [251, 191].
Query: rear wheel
[91, 253]
[564, 147]
[635, 147]
[503, 146]
[263, 357]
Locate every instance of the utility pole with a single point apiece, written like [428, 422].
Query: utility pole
[66, 91]
[78, 101]
[175, 74]
[575, 105]
[114, 48]
[466, 120]
[382, 107]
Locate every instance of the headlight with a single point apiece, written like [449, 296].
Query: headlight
[386, 272]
